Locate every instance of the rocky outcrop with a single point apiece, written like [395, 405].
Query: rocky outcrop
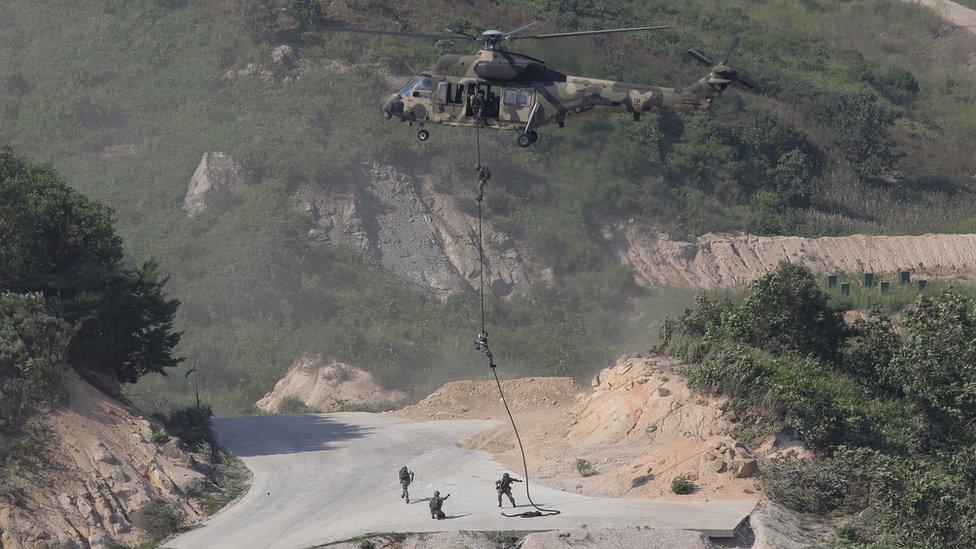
[327, 386]
[457, 231]
[418, 233]
[104, 469]
[724, 260]
[217, 170]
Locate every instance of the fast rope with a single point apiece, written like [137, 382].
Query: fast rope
[481, 342]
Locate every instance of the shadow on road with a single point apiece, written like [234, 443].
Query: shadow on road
[250, 436]
[449, 517]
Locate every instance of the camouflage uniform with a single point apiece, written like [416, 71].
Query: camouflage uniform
[436, 503]
[504, 486]
[406, 477]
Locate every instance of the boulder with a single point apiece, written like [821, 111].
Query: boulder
[216, 170]
[283, 55]
[744, 468]
[718, 465]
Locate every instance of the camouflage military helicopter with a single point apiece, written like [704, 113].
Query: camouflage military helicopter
[506, 90]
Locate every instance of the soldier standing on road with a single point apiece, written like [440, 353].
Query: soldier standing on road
[504, 486]
[406, 477]
[436, 504]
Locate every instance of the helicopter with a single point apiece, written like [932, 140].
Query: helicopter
[507, 90]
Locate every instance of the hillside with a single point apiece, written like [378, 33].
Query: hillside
[99, 475]
[863, 125]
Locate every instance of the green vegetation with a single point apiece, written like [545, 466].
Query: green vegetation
[33, 345]
[682, 486]
[58, 243]
[232, 479]
[67, 299]
[890, 416]
[158, 519]
[295, 405]
[858, 129]
[190, 424]
[159, 437]
[584, 468]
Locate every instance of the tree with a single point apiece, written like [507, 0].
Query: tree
[32, 356]
[258, 19]
[306, 12]
[57, 242]
[936, 364]
[786, 309]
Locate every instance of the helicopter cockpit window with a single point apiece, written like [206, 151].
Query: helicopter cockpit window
[418, 87]
[525, 97]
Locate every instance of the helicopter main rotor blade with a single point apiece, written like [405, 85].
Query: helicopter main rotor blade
[587, 33]
[511, 34]
[397, 33]
[732, 47]
[701, 58]
[462, 33]
[747, 82]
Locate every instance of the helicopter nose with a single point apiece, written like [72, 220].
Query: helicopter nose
[392, 106]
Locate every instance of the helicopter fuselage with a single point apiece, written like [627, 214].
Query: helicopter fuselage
[511, 91]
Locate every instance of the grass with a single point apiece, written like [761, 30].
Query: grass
[233, 482]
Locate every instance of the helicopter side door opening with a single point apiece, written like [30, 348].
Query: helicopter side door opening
[450, 99]
[484, 101]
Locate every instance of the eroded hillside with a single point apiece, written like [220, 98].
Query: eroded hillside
[98, 470]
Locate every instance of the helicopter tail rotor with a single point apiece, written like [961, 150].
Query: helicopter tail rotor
[722, 74]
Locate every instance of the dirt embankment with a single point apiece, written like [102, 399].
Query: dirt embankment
[99, 469]
[327, 386]
[722, 260]
[636, 429]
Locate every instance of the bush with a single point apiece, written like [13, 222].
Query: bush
[257, 18]
[898, 85]
[295, 405]
[158, 519]
[847, 532]
[159, 437]
[783, 311]
[584, 468]
[682, 486]
[32, 357]
[190, 424]
[306, 12]
[806, 486]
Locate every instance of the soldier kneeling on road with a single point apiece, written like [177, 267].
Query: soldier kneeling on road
[436, 504]
[406, 477]
[504, 486]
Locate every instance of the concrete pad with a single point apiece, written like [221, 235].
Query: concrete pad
[325, 477]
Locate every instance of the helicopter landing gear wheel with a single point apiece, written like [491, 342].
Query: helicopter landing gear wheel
[423, 135]
[527, 138]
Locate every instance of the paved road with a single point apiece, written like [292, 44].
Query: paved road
[324, 477]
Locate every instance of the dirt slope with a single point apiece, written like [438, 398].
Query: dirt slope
[326, 386]
[101, 470]
[723, 260]
[639, 427]
[957, 14]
